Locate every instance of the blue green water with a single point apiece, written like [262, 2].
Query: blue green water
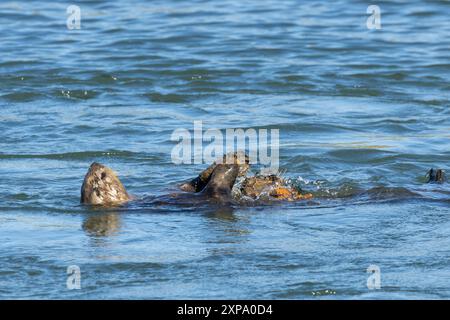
[362, 114]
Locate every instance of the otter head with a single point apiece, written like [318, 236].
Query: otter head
[101, 186]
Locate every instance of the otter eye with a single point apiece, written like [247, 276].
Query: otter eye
[103, 175]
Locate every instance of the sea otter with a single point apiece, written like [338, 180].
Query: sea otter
[101, 185]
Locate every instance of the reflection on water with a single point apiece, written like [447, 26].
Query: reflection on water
[102, 224]
[225, 213]
[226, 225]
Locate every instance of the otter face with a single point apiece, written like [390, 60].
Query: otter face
[101, 186]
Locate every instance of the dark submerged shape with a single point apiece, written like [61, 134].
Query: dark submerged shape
[436, 176]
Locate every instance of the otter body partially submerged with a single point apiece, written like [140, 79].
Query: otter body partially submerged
[101, 185]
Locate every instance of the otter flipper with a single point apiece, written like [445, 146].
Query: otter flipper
[199, 183]
[436, 175]
[221, 181]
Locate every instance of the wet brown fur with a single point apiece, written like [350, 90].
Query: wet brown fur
[101, 186]
[221, 181]
[201, 181]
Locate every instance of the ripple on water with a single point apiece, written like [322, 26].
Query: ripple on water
[363, 114]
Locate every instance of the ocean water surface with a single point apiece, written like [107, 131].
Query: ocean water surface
[363, 114]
